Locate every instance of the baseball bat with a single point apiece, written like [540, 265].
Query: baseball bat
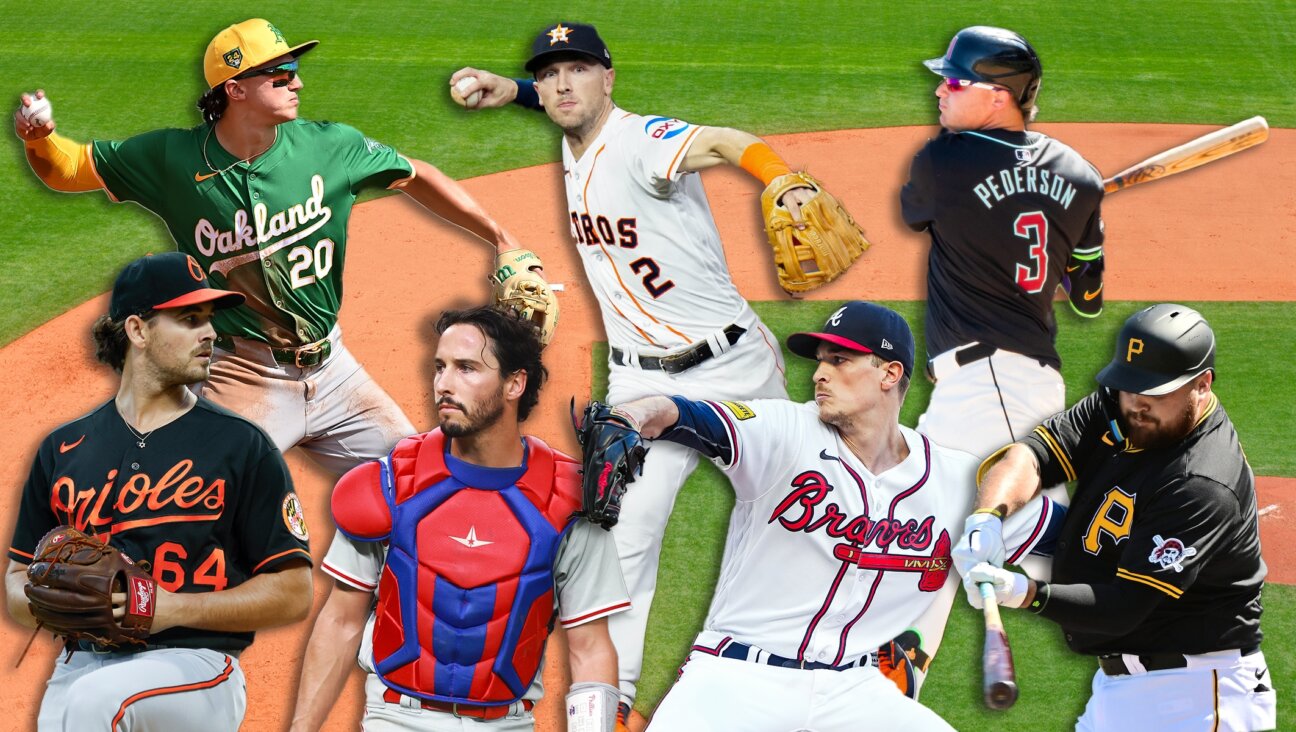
[1209, 147]
[998, 677]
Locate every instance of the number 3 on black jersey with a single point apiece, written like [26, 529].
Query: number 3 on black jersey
[1033, 226]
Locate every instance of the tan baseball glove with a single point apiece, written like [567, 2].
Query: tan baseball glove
[818, 254]
[525, 292]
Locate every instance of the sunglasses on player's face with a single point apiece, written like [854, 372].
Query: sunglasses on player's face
[288, 67]
[961, 84]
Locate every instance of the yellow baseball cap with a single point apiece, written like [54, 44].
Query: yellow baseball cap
[245, 46]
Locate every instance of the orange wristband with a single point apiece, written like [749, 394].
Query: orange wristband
[762, 162]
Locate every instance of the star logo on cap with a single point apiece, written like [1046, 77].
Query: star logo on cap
[560, 34]
[471, 541]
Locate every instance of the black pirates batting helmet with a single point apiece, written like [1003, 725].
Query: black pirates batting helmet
[1159, 350]
[994, 56]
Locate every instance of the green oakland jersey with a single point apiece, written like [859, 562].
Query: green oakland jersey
[274, 229]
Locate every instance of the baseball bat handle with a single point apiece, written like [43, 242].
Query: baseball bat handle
[999, 677]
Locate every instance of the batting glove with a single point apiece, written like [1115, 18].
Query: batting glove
[1010, 587]
[982, 541]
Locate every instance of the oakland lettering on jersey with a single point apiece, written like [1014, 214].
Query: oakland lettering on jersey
[1011, 181]
[210, 240]
[799, 511]
[176, 490]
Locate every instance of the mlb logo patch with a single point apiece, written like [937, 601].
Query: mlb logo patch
[233, 58]
[1024, 155]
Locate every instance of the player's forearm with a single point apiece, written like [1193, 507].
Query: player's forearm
[1113, 610]
[15, 598]
[62, 164]
[591, 654]
[263, 601]
[330, 657]
[1010, 482]
[441, 195]
[716, 146]
[651, 416]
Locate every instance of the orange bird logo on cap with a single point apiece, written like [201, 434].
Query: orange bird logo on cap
[559, 34]
[195, 269]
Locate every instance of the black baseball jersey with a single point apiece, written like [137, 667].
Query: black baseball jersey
[1179, 520]
[1009, 213]
[207, 501]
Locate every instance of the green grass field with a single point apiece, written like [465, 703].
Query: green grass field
[1054, 682]
[116, 69]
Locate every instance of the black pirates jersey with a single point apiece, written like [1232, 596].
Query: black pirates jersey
[1179, 520]
[1009, 213]
[206, 500]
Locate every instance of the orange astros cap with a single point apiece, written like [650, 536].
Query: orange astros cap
[245, 46]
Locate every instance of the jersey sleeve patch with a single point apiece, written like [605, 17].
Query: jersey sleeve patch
[294, 517]
[664, 128]
[739, 410]
[1170, 553]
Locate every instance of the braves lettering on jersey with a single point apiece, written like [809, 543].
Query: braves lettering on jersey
[274, 229]
[206, 500]
[1008, 213]
[646, 236]
[826, 561]
[1179, 520]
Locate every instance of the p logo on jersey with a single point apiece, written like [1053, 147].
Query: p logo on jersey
[1170, 553]
[664, 128]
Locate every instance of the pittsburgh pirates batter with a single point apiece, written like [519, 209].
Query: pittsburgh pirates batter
[1157, 569]
[262, 200]
[198, 492]
[1011, 213]
[839, 539]
[641, 222]
[466, 539]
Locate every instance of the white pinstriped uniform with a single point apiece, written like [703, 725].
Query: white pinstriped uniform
[824, 562]
[653, 257]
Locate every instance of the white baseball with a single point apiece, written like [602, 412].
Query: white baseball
[472, 99]
[38, 113]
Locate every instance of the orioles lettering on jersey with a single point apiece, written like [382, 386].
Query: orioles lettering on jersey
[177, 495]
[595, 230]
[1114, 518]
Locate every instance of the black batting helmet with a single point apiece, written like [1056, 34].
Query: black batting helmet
[994, 56]
[1160, 349]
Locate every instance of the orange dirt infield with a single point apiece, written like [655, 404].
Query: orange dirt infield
[1219, 231]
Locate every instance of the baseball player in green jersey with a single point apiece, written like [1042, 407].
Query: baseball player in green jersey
[261, 199]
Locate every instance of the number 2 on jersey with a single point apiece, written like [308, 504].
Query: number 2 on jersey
[1033, 227]
[649, 279]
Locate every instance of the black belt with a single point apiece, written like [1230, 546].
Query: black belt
[1114, 665]
[974, 353]
[311, 354]
[744, 652]
[678, 362]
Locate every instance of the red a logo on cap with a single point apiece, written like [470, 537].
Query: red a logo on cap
[195, 269]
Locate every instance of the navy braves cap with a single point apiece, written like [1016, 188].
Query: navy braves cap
[862, 326]
[1159, 349]
[161, 281]
[568, 38]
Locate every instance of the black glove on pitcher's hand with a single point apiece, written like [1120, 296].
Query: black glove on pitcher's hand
[612, 455]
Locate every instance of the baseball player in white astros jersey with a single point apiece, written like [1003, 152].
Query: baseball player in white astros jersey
[840, 538]
[674, 319]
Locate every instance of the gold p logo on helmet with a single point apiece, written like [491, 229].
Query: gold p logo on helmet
[1134, 348]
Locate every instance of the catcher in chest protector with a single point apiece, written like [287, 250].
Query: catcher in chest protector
[208, 540]
[639, 217]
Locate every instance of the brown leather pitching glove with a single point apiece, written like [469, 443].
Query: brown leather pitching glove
[525, 292]
[819, 253]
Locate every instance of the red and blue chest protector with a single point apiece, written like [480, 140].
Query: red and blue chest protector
[466, 598]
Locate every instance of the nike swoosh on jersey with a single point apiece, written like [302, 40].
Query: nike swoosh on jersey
[1091, 295]
[199, 177]
[1072, 269]
[64, 447]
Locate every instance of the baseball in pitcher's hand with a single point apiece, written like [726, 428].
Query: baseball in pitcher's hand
[496, 90]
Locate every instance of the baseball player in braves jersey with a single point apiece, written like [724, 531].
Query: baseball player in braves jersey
[1011, 213]
[465, 537]
[839, 539]
[1157, 567]
[200, 493]
[262, 200]
[640, 220]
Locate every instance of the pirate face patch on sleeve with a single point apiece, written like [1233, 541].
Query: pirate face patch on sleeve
[1170, 553]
